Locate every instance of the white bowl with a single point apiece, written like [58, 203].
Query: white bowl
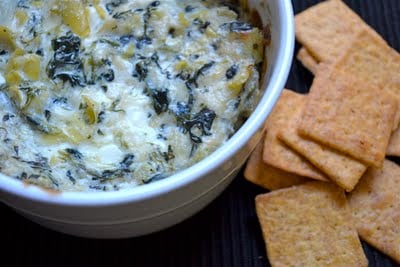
[155, 206]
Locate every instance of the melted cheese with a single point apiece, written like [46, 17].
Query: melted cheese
[110, 94]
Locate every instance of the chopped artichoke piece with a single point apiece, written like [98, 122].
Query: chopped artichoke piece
[90, 110]
[75, 15]
[102, 13]
[22, 66]
[129, 51]
[7, 39]
[240, 79]
[13, 77]
[181, 65]
[21, 16]
[31, 66]
[19, 98]
[183, 21]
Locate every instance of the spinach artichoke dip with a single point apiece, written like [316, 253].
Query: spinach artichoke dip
[101, 95]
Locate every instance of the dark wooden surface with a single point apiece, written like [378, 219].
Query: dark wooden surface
[226, 233]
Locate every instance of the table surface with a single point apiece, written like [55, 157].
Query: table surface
[226, 233]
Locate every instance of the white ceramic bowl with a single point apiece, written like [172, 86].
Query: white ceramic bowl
[152, 207]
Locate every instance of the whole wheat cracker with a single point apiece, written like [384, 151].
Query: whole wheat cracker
[344, 170]
[309, 225]
[326, 29]
[375, 204]
[266, 176]
[393, 148]
[369, 58]
[276, 153]
[332, 32]
[349, 115]
[308, 61]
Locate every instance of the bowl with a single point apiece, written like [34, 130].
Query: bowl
[161, 204]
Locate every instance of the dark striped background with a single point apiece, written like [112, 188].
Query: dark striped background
[226, 233]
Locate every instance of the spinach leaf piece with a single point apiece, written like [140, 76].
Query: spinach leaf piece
[66, 64]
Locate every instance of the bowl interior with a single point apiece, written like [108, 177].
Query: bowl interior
[276, 13]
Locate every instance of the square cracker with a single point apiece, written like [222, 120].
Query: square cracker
[375, 204]
[394, 144]
[329, 29]
[308, 61]
[372, 60]
[342, 169]
[326, 29]
[349, 115]
[309, 225]
[276, 153]
[266, 176]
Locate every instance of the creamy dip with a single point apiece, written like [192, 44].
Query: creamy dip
[110, 94]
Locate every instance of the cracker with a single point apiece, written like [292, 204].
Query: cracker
[326, 29]
[375, 203]
[276, 153]
[394, 144]
[372, 60]
[266, 176]
[342, 169]
[309, 225]
[308, 61]
[330, 29]
[349, 115]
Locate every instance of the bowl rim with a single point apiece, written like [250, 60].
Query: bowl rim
[274, 86]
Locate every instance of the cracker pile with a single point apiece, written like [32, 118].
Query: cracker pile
[323, 154]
